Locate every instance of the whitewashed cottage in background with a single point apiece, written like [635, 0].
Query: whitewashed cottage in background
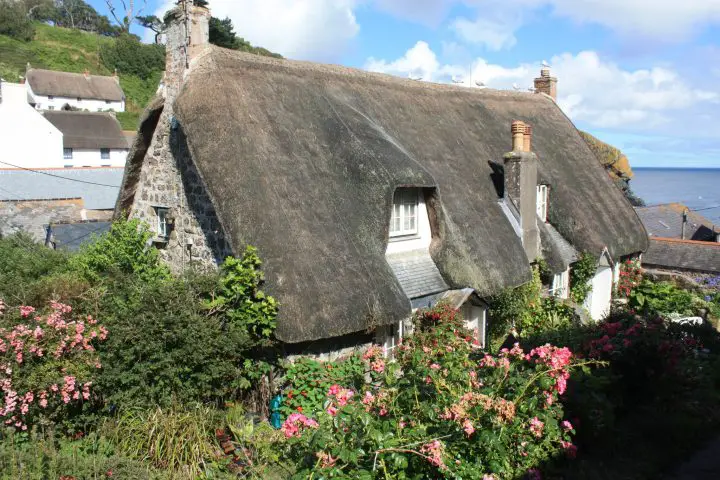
[51, 90]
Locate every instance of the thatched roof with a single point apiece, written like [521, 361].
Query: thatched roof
[88, 130]
[302, 160]
[74, 85]
[672, 254]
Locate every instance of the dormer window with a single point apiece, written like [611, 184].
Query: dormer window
[404, 220]
[542, 202]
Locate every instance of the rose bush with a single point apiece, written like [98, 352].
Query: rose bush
[442, 408]
[47, 363]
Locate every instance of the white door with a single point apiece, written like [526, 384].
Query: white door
[475, 320]
[598, 301]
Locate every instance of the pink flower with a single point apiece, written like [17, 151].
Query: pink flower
[334, 389]
[332, 410]
[378, 366]
[435, 366]
[368, 399]
[434, 452]
[26, 311]
[570, 449]
[536, 427]
[566, 425]
[383, 412]
[468, 427]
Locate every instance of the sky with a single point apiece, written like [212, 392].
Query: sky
[642, 75]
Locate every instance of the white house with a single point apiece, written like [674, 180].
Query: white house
[27, 139]
[51, 90]
[90, 139]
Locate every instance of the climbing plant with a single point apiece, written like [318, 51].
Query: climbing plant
[580, 274]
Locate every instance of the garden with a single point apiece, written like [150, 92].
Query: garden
[112, 367]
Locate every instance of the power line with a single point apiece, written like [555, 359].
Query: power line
[705, 208]
[11, 193]
[60, 176]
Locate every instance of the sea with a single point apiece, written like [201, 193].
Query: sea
[698, 189]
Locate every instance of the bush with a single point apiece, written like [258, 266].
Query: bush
[14, 21]
[48, 364]
[439, 411]
[131, 57]
[581, 273]
[663, 298]
[124, 250]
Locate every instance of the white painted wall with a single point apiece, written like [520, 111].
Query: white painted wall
[415, 242]
[43, 102]
[598, 301]
[91, 158]
[475, 320]
[27, 139]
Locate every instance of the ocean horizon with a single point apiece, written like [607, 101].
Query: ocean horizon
[697, 188]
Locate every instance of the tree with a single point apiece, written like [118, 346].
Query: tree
[128, 11]
[153, 23]
[222, 33]
[14, 21]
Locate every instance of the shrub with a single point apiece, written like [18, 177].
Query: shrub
[131, 57]
[309, 380]
[124, 250]
[441, 410]
[662, 298]
[48, 364]
[630, 277]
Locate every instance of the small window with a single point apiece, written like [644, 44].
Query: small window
[79, 99]
[560, 285]
[542, 202]
[67, 153]
[162, 226]
[51, 97]
[50, 107]
[404, 220]
[107, 102]
[105, 154]
[68, 165]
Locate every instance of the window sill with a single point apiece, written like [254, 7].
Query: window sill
[161, 240]
[404, 238]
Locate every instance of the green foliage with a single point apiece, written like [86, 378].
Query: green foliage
[37, 456]
[23, 264]
[222, 34]
[175, 439]
[512, 307]
[14, 21]
[128, 55]
[663, 298]
[309, 380]
[124, 250]
[581, 272]
[439, 411]
[239, 298]
[165, 347]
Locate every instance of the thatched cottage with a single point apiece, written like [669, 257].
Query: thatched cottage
[367, 195]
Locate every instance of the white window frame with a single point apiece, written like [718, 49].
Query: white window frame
[559, 287]
[67, 153]
[162, 226]
[104, 154]
[390, 337]
[406, 197]
[542, 202]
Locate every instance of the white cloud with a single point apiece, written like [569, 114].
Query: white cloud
[301, 29]
[592, 91]
[494, 33]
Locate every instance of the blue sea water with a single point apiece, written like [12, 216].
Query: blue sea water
[696, 188]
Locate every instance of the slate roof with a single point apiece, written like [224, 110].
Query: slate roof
[62, 183]
[666, 221]
[71, 236]
[91, 130]
[417, 273]
[301, 160]
[74, 85]
[557, 252]
[671, 253]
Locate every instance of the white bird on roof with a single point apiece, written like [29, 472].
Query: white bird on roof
[480, 84]
[516, 87]
[457, 79]
[411, 77]
[545, 64]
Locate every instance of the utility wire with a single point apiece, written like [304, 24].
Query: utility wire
[60, 176]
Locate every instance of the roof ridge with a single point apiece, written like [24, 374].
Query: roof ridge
[70, 73]
[690, 242]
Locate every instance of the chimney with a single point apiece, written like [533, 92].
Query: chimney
[187, 34]
[684, 223]
[521, 187]
[527, 139]
[546, 84]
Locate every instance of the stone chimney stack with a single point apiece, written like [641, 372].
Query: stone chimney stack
[546, 83]
[527, 139]
[521, 187]
[187, 34]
